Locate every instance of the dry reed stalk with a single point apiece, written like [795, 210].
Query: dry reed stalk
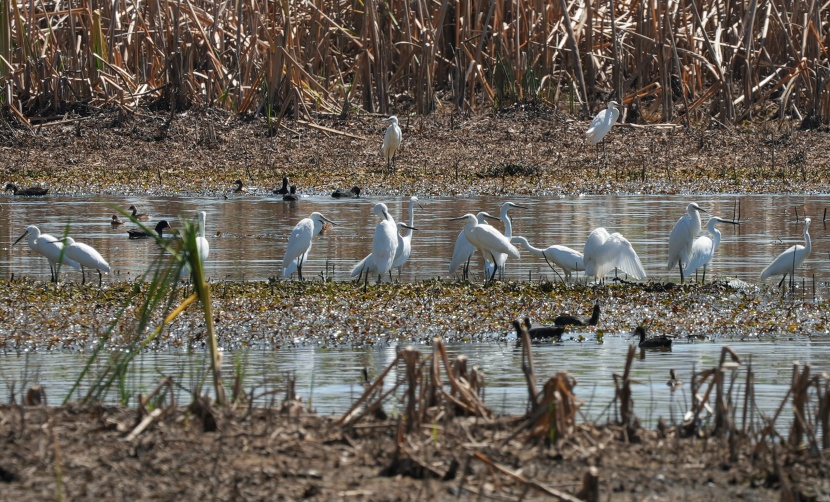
[622, 394]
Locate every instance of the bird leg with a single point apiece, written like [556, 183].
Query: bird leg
[300, 268]
[100, 279]
[704, 274]
[551, 267]
[83, 275]
[782, 280]
[680, 266]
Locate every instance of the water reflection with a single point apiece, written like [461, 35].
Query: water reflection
[248, 234]
[330, 378]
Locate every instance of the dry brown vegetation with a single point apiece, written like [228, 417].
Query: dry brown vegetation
[676, 61]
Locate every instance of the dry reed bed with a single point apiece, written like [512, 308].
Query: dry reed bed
[671, 61]
[440, 440]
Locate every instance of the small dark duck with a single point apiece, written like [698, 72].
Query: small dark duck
[26, 192]
[573, 320]
[352, 193]
[141, 234]
[661, 341]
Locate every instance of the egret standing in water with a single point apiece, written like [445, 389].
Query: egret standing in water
[602, 124]
[384, 246]
[202, 245]
[791, 259]
[463, 250]
[391, 141]
[570, 260]
[299, 243]
[49, 247]
[488, 240]
[603, 252]
[501, 258]
[704, 247]
[86, 256]
[683, 235]
[405, 240]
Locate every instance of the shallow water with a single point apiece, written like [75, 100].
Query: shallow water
[248, 234]
[331, 378]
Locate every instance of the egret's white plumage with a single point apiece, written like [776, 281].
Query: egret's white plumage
[570, 260]
[391, 141]
[683, 235]
[299, 243]
[463, 250]
[603, 252]
[202, 245]
[49, 247]
[86, 256]
[501, 258]
[488, 240]
[704, 247]
[791, 259]
[602, 123]
[384, 246]
[405, 240]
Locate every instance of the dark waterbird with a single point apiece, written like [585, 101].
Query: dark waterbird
[573, 320]
[539, 333]
[352, 193]
[292, 196]
[661, 341]
[115, 221]
[674, 383]
[238, 187]
[26, 192]
[140, 234]
[138, 216]
[284, 189]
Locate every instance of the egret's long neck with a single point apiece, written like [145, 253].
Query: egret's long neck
[408, 231]
[508, 225]
[202, 226]
[807, 242]
[715, 238]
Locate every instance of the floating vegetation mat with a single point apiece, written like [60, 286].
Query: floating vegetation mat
[42, 316]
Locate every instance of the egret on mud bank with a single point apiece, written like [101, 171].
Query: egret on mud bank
[603, 252]
[488, 240]
[299, 243]
[704, 247]
[26, 192]
[405, 240]
[141, 234]
[791, 259]
[138, 216]
[683, 235]
[391, 141]
[570, 260]
[48, 246]
[463, 250]
[602, 124]
[86, 256]
[352, 193]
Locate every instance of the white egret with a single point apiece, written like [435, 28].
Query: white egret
[570, 260]
[48, 246]
[202, 246]
[603, 252]
[602, 124]
[86, 256]
[384, 246]
[405, 240]
[299, 243]
[391, 141]
[704, 247]
[501, 258]
[791, 259]
[463, 250]
[488, 240]
[367, 265]
[682, 236]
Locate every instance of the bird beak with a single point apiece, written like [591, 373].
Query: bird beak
[495, 218]
[419, 205]
[385, 215]
[21, 237]
[518, 205]
[700, 209]
[326, 219]
[728, 221]
[451, 219]
[407, 226]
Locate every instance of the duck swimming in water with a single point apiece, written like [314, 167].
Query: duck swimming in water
[573, 320]
[141, 234]
[661, 341]
[292, 196]
[284, 189]
[138, 216]
[26, 192]
[115, 221]
[352, 193]
[539, 333]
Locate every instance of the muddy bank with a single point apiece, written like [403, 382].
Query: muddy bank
[525, 149]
